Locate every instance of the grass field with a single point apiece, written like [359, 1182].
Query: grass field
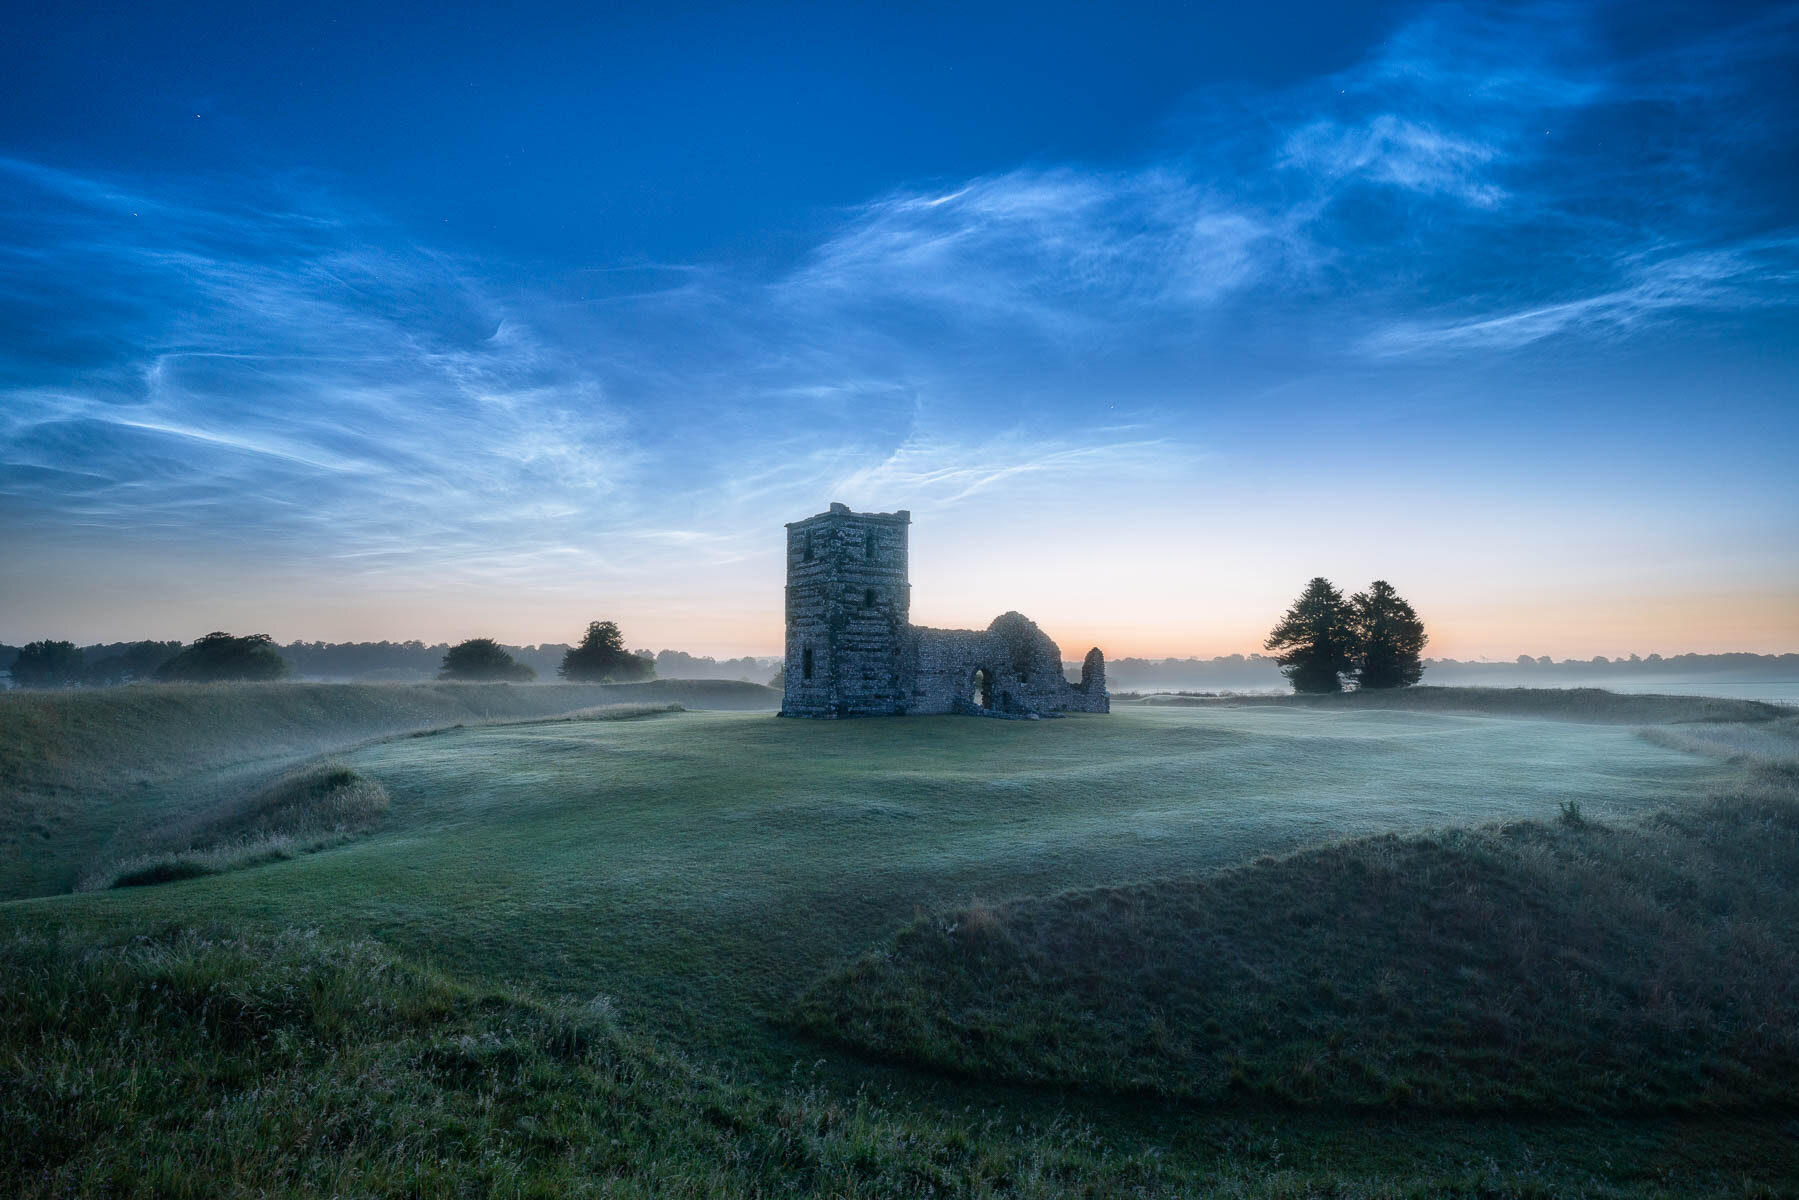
[1641, 965]
[698, 877]
[86, 775]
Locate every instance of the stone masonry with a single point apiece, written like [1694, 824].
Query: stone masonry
[852, 650]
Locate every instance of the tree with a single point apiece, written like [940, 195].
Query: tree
[126, 663]
[778, 680]
[1389, 638]
[219, 657]
[602, 658]
[484, 659]
[1315, 639]
[47, 664]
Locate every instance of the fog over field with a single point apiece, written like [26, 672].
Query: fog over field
[707, 893]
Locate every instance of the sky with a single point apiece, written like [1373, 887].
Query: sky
[352, 322]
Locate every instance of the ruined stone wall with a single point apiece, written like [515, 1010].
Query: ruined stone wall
[1093, 694]
[852, 651]
[1012, 666]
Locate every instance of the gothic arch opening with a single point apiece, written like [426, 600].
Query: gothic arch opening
[983, 687]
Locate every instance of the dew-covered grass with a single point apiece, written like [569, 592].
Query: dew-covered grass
[691, 875]
[697, 865]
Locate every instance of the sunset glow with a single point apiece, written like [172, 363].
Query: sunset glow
[1500, 308]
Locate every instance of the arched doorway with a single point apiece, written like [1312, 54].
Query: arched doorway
[983, 688]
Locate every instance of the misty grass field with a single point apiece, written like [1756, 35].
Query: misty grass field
[691, 875]
[692, 866]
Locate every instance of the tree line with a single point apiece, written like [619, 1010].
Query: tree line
[1372, 639]
[217, 656]
[600, 656]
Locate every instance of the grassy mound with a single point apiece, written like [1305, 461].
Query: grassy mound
[1566, 704]
[186, 1065]
[1647, 966]
[290, 1066]
[303, 811]
[71, 738]
[77, 766]
[321, 805]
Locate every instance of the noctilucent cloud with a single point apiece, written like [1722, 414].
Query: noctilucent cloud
[362, 322]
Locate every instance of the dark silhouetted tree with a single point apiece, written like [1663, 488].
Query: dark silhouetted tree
[1389, 638]
[602, 658]
[47, 664]
[1315, 640]
[219, 657]
[483, 659]
[124, 664]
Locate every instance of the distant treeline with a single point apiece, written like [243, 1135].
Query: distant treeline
[1257, 672]
[108, 663]
[119, 662]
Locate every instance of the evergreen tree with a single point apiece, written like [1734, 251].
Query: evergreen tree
[483, 659]
[1389, 638]
[1315, 639]
[602, 658]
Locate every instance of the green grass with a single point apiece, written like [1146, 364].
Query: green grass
[693, 874]
[184, 1064]
[1568, 704]
[727, 856]
[1647, 965]
[77, 767]
[187, 1065]
[302, 812]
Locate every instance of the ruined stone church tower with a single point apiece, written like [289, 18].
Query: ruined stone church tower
[852, 649]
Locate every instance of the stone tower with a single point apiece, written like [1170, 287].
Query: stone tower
[849, 605]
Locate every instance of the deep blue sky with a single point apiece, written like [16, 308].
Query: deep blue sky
[380, 321]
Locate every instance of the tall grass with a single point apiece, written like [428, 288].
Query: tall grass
[1645, 965]
[188, 1064]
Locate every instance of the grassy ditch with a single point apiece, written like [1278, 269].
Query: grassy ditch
[308, 809]
[303, 811]
[83, 774]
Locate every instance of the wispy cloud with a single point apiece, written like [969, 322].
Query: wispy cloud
[1393, 150]
[265, 362]
[282, 371]
[1759, 275]
[1060, 248]
[938, 474]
